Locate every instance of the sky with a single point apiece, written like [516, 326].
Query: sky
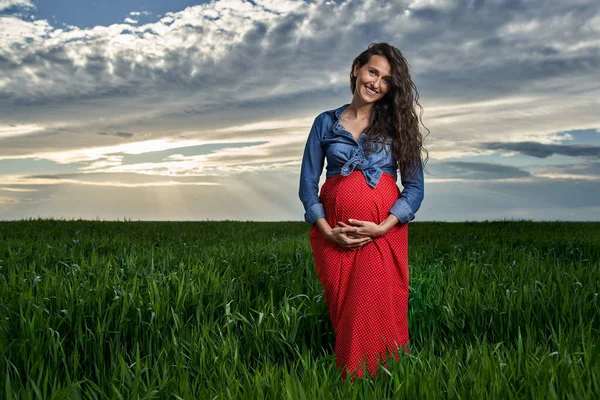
[182, 110]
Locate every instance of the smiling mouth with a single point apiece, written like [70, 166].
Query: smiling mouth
[370, 91]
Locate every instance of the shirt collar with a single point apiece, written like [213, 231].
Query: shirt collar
[337, 127]
[338, 111]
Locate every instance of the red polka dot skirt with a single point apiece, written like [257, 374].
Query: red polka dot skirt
[366, 290]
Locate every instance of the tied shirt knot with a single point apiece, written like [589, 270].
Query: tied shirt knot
[372, 172]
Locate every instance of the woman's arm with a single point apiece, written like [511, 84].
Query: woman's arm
[408, 204]
[310, 172]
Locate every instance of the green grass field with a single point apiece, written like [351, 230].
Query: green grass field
[219, 310]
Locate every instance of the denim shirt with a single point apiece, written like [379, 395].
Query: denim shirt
[328, 139]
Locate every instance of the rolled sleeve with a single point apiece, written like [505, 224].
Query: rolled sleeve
[402, 211]
[314, 212]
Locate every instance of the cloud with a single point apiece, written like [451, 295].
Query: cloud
[542, 150]
[179, 48]
[465, 170]
[119, 134]
[589, 170]
[184, 47]
[19, 130]
[8, 4]
[15, 182]
[130, 21]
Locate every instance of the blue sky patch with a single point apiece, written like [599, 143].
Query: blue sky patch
[89, 13]
[27, 166]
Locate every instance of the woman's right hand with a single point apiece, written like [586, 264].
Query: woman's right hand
[339, 236]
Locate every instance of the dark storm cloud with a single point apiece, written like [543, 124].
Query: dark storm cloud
[475, 170]
[542, 150]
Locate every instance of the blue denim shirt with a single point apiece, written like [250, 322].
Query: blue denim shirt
[328, 139]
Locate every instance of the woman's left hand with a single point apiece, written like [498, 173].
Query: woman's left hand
[363, 228]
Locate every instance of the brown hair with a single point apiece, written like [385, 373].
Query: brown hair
[393, 116]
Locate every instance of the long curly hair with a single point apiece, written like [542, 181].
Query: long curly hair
[393, 116]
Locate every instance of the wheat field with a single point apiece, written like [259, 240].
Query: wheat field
[234, 310]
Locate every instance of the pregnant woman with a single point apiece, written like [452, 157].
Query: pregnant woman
[359, 236]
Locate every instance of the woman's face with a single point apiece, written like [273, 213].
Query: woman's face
[373, 79]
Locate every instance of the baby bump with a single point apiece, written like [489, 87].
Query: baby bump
[345, 197]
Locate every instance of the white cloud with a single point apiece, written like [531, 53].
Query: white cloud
[86, 61]
[569, 177]
[430, 3]
[98, 153]
[26, 180]
[303, 123]
[18, 190]
[16, 33]
[6, 4]
[9, 200]
[19, 130]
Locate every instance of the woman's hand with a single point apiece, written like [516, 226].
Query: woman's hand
[362, 229]
[339, 235]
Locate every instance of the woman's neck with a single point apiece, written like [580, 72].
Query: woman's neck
[358, 110]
